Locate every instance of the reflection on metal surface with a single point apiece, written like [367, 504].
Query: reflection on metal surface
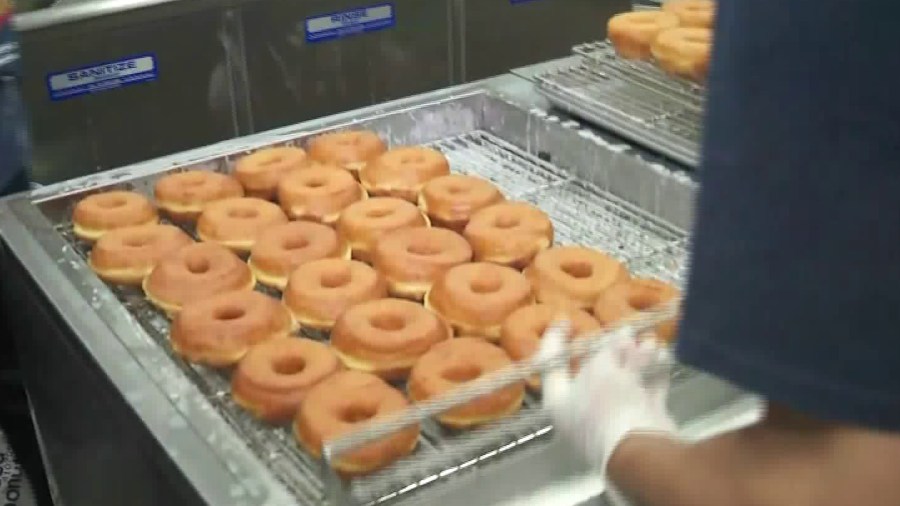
[632, 98]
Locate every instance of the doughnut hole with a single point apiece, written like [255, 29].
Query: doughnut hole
[287, 366]
[198, 265]
[229, 313]
[315, 183]
[295, 243]
[456, 190]
[387, 322]
[378, 213]
[111, 202]
[577, 270]
[192, 179]
[491, 284]
[357, 414]
[461, 373]
[242, 213]
[642, 302]
[506, 222]
[423, 249]
[137, 241]
[335, 279]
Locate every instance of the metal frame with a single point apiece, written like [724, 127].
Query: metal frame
[201, 443]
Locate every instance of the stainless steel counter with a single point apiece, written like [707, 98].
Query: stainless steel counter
[123, 421]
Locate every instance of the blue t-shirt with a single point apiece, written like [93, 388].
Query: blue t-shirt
[794, 291]
[13, 128]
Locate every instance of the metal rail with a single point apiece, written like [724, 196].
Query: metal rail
[632, 98]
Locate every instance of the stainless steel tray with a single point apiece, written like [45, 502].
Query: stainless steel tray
[632, 98]
[559, 168]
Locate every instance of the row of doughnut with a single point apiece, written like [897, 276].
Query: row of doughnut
[417, 274]
[677, 37]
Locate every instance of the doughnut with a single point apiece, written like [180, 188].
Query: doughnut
[684, 52]
[509, 233]
[573, 276]
[125, 256]
[451, 200]
[401, 172]
[274, 377]
[349, 149]
[637, 294]
[364, 222]
[632, 33]
[99, 213]
[318, 193]
[343, 403]
[522, 331]
[280, 249]
[260, 172]
[195, 272]
[318, 292]
[235, 223]
[219, 330]
[386, 337]
[476, 298]
[182, 195]
[410, 259]
[699, 13]
[451, 363]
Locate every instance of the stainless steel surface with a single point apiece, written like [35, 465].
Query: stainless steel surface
[587, 185]
[498, 35]
[632, 98]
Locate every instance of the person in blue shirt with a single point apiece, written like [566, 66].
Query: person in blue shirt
[13, 127]
[794, 289]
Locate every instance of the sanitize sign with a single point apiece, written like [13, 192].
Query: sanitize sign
[102, 77]
[343, 24]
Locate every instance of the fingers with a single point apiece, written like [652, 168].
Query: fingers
[555, 383]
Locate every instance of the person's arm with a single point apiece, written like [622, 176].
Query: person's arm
[785, 459]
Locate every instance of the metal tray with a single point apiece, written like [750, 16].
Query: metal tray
[632, 98]
[558, 168]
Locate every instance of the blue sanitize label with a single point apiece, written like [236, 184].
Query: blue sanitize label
[521, 1]
[353, 22]
[102, 77]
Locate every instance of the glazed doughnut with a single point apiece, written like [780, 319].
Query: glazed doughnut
[318, 292]
[195, 272]
[99, 213]
[509, 233]
[260, 172]
[182, 195]
[219, 330]
[476, 298]
[699, 13]
[274, 377]
[318, 193]
[632, 33]
[280, 249]
[350, 149]
[364, 222]
[452, 363]
[573, 276]
[235, 223]
[401, 172]
[684, 52]
[126, 255]
[343, 403]
[386, 337]
[449, 201]
[628, 297]
[410, 259]
[522, 331]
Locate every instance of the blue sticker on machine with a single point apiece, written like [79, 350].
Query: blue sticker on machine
[102, 77]
[521, 1]
[343, 24]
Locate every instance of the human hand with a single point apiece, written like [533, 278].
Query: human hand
[610, 397]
